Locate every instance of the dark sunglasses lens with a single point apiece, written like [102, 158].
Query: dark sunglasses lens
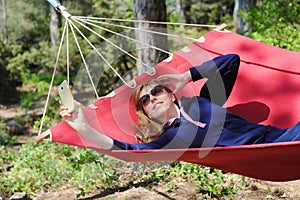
[156, 90]
[145, 99]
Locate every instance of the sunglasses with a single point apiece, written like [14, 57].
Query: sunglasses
[155, 91]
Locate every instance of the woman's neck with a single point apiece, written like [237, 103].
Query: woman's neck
[175, 113]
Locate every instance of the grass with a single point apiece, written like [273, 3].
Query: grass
[31, 168]
[50, 165]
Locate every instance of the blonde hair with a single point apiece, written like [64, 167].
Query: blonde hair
[148, 129]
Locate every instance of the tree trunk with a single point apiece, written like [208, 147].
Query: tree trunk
[150, 10]
[5, 37]
[55, 23]
[186, 8]
[241, 24]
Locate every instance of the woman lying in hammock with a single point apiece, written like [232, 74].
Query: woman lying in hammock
[166, 122]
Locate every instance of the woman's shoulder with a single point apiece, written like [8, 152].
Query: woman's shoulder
[187, 101]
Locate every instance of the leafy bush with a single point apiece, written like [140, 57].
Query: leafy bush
[8, 84]
[282, 35]
[211, 182]
[51, 165]
[271, 24]
[5, 137]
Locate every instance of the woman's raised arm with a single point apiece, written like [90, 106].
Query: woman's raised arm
[175, 81]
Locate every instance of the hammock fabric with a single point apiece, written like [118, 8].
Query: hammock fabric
[267, 91]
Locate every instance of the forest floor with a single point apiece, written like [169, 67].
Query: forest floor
[185, 189]
[257, 190]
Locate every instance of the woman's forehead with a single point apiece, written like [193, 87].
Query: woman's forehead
[146, 89]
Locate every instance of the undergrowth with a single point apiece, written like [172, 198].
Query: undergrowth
[50, 165]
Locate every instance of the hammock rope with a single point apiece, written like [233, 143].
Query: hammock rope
[68, 56]
[80, 21]
[150, 22]
[81, 54]
[52, 80]
[117, 47]
[121, 35]
[144, 30]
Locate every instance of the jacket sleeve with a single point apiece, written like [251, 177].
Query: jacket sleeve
[118, 145]
[221, 73]
[220, 65]
[159, 143]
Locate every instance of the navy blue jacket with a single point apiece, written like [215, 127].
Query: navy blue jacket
[223, 128]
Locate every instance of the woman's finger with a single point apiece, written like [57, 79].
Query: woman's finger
[165, 80]
[62, 108]
[65, 115]
[164, 77]
[77, 103]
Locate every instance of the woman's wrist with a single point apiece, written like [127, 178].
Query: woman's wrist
[98, 138]
[187, 76]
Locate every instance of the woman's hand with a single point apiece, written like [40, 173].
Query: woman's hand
[175, 81]
[78, 122]
[75, 119]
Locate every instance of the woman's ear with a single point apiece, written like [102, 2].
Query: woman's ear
[173, 98]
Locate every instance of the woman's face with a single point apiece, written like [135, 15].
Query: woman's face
[157, 103]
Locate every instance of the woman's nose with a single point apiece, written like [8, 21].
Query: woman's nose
[152, 98]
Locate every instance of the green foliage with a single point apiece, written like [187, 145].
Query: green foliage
[46, 124]
[282, 35]
[271, 24]
[6, 156]
[211, 12]
[27, 21]
[5, 137]
[265, 14]
[8, 84]
[48, 165]
[211, 182]
[35, 61]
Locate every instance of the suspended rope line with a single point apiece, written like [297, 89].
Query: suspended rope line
[52, 80]
[111, 43]
[121, 35]
[68, 59]
[91, 21]
[144, 30]
[71, 24]
[102, 57]
[150, 22]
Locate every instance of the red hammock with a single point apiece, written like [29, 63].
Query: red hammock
[267, 91]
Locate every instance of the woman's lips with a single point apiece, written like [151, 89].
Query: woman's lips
[156, 104]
